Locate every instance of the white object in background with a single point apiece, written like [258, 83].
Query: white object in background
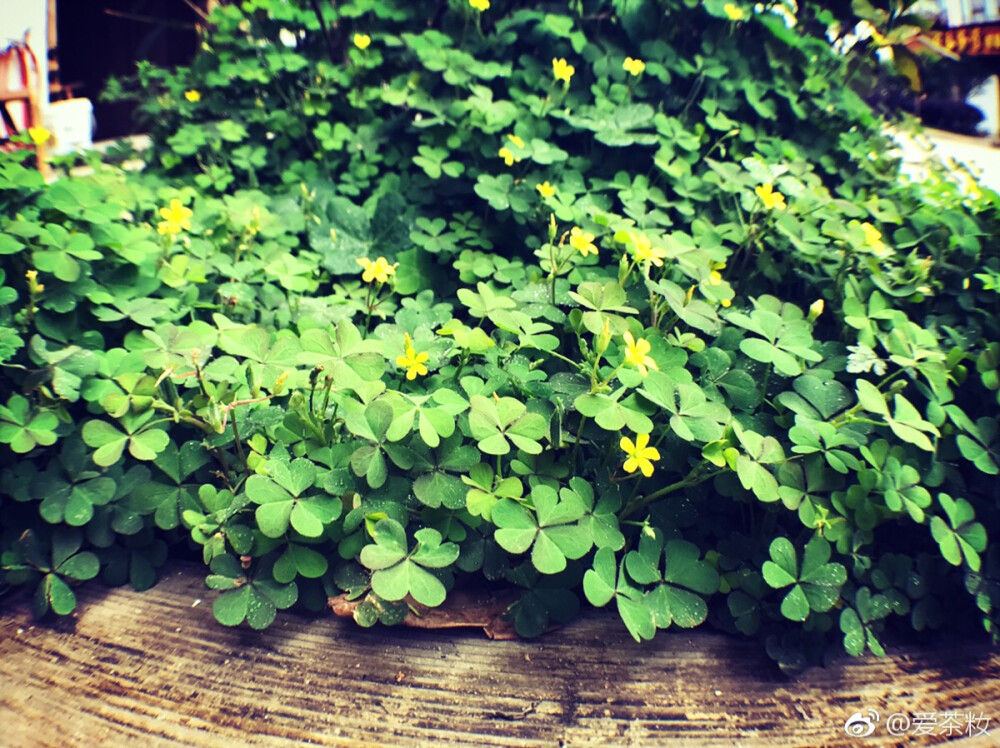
[986, 98]
[72, 125]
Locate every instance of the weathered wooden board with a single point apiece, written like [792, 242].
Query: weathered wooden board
[154, 668]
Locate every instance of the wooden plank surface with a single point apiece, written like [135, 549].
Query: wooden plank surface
[154, 668]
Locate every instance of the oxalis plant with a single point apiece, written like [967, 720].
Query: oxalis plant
[413, 296]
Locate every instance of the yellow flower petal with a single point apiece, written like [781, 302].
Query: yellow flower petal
[633, 66]
[545, 189]
[39, 135]
[733, 12]
[772, 200]
[562, 70]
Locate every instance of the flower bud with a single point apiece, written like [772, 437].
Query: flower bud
[816, 309]
[552, 227]
[604, 339]
[279, 383]
[623, 265]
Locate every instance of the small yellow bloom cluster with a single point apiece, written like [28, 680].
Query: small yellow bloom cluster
[378, 271]
[412, 361]
[633, 66]
[715, 279]
[193, 96]
[480, 5]
[772, 200]
[637, 354]
[34, 287]
[873, 237]
[362, 41]
[734, 12]
[39, 135]
[507, 154]
[545, 189]
[562, 70]
[582, 241]
[645, 251]
[640, 454]
[176, 218]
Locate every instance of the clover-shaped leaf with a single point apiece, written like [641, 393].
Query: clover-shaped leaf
[959, 537]
[110, 443]
[612, 415]
[855, 622]
[398, 573]
[553, 531]
[281, 503]
[486, 490]
[751, 464]
[606, 581]
[54, 558]
[816, 588]
[601, 520]
[673, 600]
[496, 423]
[23, 429]
[250, 596]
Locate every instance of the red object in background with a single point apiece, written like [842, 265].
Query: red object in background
[975, 40]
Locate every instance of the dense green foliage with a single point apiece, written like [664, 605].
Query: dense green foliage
[646, 316]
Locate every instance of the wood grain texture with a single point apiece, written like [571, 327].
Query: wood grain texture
[154, 668]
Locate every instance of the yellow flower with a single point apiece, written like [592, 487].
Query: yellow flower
[646, 252]
[636, 354]
[769, 197]
[480, 5]
[412, 361]
[516, 141]
[507, 155]
[193, 96]
[640, 454]
[362, 41]
[545, 189]
[726, 303]
[733, 12]
[634, 67]
[562, 70]
[176, 218]
[873, 237]
[31, 275]
[379, 271]
[582, 242]
[39, 135]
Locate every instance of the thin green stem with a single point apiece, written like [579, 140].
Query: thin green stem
[576, 443]
[693, 478]
[239, 445]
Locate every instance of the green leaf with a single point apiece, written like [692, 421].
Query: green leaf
[783, 570]
[637, 617]
[81, 566]
[389, 547]
[795, 606]
[273, 519]
[60, 597]
[230, 608]
[516, 528]
[599, 581]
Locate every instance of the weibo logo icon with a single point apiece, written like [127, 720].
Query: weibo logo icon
[860, 725]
